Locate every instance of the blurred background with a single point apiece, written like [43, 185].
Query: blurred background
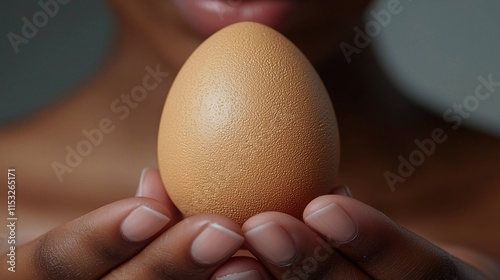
[64, 50]
[433, 52]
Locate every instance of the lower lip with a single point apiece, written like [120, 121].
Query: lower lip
[208, 16]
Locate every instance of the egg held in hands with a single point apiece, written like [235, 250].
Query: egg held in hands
[247, 127]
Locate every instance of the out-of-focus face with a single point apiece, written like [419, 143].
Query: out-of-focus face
[316, 26]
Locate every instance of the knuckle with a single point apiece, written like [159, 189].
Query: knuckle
[371, 253]
[172, 271]
[51, 260]
[167, 265]
[69, 250]
[103, 250]
[443, 267]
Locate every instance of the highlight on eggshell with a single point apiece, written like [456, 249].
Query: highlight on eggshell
[247, 127]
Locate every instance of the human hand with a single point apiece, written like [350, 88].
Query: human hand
[345, 239]
[137, 238]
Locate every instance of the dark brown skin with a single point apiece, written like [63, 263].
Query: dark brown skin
[451, 200]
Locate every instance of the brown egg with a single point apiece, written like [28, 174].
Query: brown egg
[247, 127]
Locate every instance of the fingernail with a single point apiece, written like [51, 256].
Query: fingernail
[273, 243]
[214, 244]
[143, 223]
[247, 275]
[343, 190]
[334, 223]
[140, 191]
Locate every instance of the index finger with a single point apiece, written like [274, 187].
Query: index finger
[378, 245]
[90, 246]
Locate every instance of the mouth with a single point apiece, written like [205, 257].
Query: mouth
[208, 16]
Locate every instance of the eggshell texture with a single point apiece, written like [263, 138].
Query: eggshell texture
[247, 127]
